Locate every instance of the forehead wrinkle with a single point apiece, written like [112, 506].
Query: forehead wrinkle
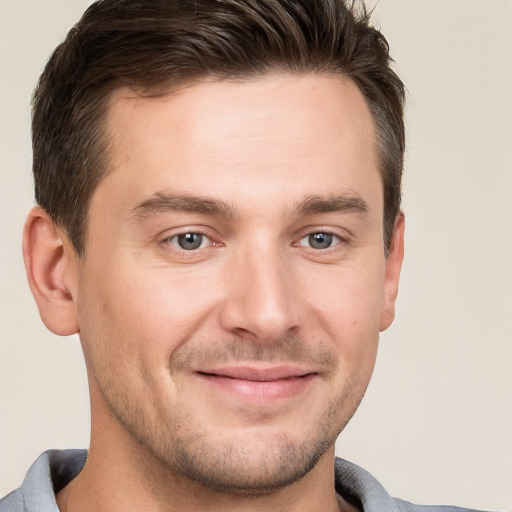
[162, 202]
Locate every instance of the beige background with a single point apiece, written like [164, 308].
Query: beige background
[436, 425]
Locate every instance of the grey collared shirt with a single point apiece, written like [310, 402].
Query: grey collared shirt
[54, 469]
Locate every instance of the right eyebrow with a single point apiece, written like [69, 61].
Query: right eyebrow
[162, 202]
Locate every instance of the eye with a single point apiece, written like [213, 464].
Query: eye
[320, 240]
[189, 241]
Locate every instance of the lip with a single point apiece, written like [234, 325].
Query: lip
[251, 382]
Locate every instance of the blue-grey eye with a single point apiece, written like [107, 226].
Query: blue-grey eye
[319, 240]
[189, 241]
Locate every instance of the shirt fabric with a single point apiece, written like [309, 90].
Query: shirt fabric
[54, 469]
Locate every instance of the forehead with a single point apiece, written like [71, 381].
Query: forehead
[305, 106]
[308, 134]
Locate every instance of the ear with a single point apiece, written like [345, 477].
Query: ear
[52, 271]
[392, 273]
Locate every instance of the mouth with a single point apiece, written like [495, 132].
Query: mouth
[249, 382]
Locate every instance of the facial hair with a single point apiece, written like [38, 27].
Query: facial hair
[264, 460]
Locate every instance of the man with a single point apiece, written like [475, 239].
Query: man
[219, 219]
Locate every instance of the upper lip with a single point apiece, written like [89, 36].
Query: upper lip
[252, 373]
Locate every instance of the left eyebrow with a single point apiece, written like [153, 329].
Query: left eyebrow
[332, 204]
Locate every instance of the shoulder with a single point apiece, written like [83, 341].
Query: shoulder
[52, 471]
[364, 490]
[405, 506]
[13, 502]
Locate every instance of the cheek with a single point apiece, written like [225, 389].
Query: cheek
[173, 304]
[347, 307]
[347, 301]
[151, 311]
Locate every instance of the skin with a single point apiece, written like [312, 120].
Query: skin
[220, 376]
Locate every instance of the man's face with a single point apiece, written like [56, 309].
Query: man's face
[234, 281]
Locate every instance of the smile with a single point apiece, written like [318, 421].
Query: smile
[256, 383]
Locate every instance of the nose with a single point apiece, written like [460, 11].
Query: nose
[262, 300]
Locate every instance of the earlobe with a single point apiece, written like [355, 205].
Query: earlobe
[51, 266]
[392, 273]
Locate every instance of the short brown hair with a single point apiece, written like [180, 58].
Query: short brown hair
[153, 44]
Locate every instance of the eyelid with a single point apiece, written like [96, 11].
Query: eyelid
[341, 233]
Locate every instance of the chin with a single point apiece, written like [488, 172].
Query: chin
[259, 467]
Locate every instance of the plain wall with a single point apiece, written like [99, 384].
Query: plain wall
[436, 424]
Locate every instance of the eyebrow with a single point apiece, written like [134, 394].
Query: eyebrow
[162, 202]
[348, 203]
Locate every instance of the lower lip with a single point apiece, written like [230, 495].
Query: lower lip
[265, 390]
